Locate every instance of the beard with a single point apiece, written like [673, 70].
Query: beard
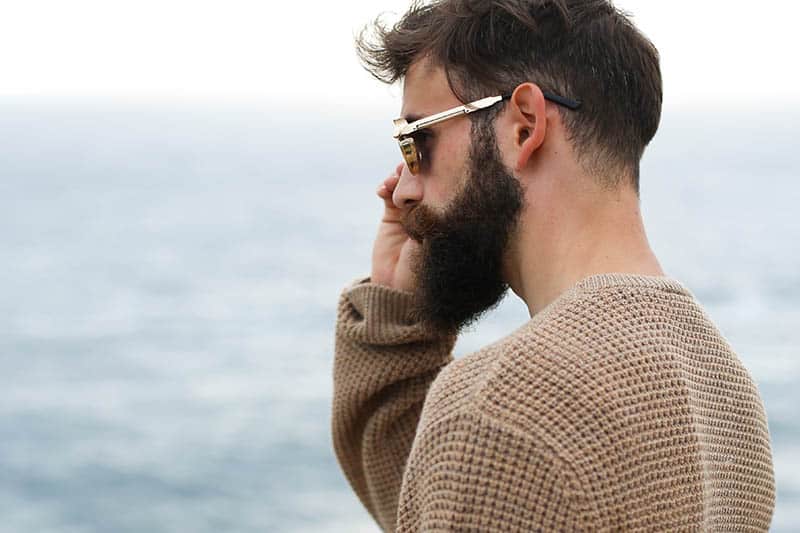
[459, 266]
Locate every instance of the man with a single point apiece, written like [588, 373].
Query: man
[619, 405]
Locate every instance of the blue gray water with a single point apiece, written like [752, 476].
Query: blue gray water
[170, 276]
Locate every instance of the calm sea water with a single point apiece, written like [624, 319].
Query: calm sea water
[169, 281]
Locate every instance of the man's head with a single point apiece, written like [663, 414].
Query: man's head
[468, 196]
[583, 49]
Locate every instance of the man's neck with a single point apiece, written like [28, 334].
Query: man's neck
[556, 248]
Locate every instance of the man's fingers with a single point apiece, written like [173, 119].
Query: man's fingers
[386, 188]
[391, 182]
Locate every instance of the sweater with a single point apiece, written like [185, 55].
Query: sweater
[619, 406]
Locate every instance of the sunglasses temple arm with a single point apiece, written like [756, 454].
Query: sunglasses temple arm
[566, 102]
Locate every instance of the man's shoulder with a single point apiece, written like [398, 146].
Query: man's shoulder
[605, 352]
[588, 357]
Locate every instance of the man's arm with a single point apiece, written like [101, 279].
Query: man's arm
[383, 367]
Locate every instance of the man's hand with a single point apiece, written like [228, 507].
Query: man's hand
[393, 250]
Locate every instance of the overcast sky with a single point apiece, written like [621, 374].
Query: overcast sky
[734, 52]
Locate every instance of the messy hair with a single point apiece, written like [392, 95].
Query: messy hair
[581, 49]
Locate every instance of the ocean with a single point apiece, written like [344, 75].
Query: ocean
[170, 277]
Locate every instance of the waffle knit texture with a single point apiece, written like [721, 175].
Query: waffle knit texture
[619, 406]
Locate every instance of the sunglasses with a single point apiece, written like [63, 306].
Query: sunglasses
[408, 137]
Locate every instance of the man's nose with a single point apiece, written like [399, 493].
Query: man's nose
[408, 191]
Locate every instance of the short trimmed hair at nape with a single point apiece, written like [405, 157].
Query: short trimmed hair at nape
[582, 49]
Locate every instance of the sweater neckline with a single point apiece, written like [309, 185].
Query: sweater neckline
[616, 279]
[613, 279]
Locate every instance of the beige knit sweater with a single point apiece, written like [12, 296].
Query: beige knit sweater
[619, 406]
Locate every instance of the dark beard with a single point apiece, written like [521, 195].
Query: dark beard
[460, 265]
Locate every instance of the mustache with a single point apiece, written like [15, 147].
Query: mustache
[420, 222]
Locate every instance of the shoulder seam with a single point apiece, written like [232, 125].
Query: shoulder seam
[575, 484]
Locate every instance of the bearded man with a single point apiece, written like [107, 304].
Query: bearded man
[619, 405]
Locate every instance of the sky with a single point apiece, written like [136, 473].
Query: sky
[714, 53]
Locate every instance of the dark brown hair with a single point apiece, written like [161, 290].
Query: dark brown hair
[581, 49]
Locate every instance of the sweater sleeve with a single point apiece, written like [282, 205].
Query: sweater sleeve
[471, 473]
[383, 366]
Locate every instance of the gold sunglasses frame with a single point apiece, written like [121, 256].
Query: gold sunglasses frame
[403, 131]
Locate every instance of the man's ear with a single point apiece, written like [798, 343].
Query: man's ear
[529, 121]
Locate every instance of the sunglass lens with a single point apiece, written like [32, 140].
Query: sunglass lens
[409, 149]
